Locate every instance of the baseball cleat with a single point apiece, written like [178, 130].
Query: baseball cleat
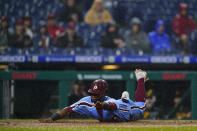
[141, 74]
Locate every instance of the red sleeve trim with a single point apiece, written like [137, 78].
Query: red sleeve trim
[112, 106]
[70, 110]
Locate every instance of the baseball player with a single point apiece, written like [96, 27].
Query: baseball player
[86, 105]
[104, 108]
[125, 109]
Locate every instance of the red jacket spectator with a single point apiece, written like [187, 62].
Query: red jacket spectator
[54, 30]
[183, 23]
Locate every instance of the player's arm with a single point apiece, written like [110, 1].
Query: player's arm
[59, 115]
[106, 105]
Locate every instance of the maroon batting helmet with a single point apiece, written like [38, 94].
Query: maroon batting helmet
[98, 87]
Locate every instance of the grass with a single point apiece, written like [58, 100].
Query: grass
[93, 128]
[6, 120]
[175, 128]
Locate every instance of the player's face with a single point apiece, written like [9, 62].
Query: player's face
[96, 98]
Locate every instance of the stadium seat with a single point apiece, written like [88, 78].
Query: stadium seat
[193, 42]
[59, 51]
[13, 51]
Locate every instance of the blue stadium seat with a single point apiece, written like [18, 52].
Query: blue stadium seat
[193, 42]
[33, 50]
[59, 51]
[13, 51]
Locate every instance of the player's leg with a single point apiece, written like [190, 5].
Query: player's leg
[139, 107]
[140, 86]
[140, 92]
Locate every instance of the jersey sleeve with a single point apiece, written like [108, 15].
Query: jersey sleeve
[83, 106]
[76, 103]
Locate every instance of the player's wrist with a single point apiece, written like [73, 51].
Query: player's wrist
[105, 105]
[109, 106]
[99, 105]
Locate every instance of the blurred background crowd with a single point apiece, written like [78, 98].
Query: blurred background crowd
[134, 27]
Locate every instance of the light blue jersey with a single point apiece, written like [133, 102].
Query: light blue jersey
[85, 107]
[128, 111]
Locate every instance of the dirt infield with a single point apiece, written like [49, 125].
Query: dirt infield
[94, 123]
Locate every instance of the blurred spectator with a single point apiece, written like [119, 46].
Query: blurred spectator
[159, 40]
[183, 45]
[77, 93]
[112, 38]
[183, 23]
[42, 39]
[70, 38]
[4, 32]
[97, 14]
[136, 38]
[54, 30]
[182, 112]
[28, 26]
[151, 112]
[70, 12]
[19, 39]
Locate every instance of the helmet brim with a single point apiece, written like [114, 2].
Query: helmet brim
[90, 91]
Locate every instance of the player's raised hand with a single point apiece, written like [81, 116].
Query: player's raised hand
[47, 120]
